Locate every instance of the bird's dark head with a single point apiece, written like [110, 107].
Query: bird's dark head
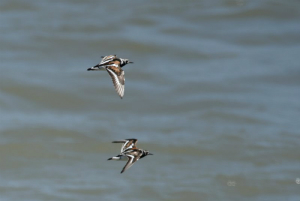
[124, 62]
[145, 153]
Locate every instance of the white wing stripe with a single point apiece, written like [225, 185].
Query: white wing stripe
[118, 86]
[107, 59]
[115, 77]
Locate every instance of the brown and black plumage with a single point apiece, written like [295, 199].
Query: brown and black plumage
[130, 152]
[113, 65]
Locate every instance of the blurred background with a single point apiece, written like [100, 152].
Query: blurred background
[213, 93]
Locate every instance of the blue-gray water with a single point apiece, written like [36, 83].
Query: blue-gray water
[214, 93]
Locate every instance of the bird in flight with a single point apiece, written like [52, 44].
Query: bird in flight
[130, 153]
[113, 65]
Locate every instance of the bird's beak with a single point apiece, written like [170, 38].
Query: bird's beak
[131, 62]
[96, 67]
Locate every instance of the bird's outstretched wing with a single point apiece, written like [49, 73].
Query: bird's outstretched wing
[105, 60]
[118, 78]
[132, 158]
[128, 144]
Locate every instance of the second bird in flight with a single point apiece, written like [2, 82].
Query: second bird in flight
[130, 153]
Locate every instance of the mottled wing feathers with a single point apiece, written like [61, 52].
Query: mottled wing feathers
[128, 144]
[132, 158]
[128, 164]
[107, 59]
[118, 77]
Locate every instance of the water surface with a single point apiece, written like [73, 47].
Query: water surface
[213, 93]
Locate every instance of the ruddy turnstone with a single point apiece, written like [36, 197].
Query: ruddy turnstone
[130, 153]
[113, 65]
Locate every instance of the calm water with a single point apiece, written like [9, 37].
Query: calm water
[213, 93]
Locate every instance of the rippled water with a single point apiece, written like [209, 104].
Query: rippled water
[213, 93]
